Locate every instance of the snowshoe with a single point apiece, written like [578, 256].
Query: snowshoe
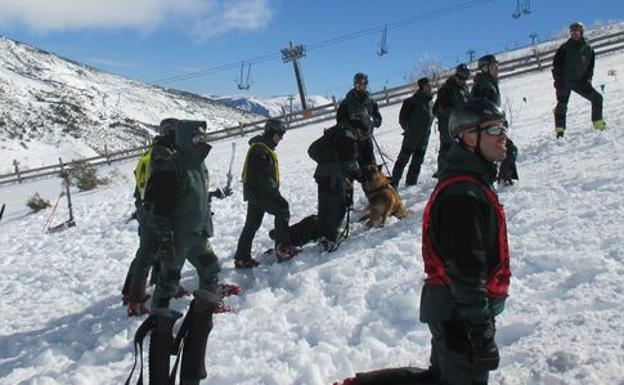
[224, 308]
[227, 289]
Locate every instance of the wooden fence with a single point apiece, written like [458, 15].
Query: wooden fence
[533, 60]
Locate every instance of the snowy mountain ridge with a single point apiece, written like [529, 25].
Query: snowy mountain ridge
[271, 107]
[51, 106]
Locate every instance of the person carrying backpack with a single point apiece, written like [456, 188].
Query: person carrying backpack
[176, 223]
[336, 155]
[134, 289]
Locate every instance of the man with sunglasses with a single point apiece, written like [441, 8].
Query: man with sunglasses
[452, 94]
[358, 101]
[573, 69]
[465, 251]
[261, 191]
[485, 87]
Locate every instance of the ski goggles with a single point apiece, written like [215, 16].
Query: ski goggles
[494, 129]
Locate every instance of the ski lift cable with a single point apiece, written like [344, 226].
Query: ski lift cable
[328, 42]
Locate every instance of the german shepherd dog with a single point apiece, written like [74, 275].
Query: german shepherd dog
[382, 197]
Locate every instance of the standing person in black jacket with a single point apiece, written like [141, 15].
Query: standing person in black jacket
[465, 250]
[452, 94]
[261, 191]
[573, 69]
[415, 118]
[485, 87]
[356, 101]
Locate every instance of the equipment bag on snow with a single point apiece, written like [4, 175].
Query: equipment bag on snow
[324, 148]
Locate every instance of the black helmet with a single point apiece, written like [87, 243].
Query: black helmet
[274, 126]
[487, 60]
[360, 77]
[462, 71]
[472, 114]
[577, 25]
[168, 127]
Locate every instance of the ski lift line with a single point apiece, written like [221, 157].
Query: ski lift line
[328, 42]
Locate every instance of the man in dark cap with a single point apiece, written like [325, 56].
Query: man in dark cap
[573, 69]
[415, 119]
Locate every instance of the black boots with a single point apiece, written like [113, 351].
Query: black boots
[196, 328]
[161, 345]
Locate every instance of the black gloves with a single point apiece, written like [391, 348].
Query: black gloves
[483, 350]
[220, 194]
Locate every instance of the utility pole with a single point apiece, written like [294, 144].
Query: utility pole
[533, 37]
[470, 53]
[293, 54]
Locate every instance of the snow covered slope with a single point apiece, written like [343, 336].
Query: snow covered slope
[50, 105]
[274, 106]
[324, 316]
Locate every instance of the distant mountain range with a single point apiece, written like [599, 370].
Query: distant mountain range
[270, 107]
[53, 106]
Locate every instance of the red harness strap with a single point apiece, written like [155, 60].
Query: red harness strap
[497, 284]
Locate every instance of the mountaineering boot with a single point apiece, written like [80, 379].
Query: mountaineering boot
[285, 252]
[246, 263]
[600, 125]
[160, 347]
[137, 308]
[199, 324]
[559, 132]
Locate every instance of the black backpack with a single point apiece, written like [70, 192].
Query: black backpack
[324, 148]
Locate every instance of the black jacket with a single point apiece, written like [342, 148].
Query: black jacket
[358, 101]
[485, 86]
[415, 118]
[450, 96]
[345, 148]
[573, 63]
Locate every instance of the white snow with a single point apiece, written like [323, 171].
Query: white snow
[322, 317]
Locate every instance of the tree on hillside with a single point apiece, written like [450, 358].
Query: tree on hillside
[428, 66]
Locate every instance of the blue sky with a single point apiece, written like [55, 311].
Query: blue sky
[152, 40]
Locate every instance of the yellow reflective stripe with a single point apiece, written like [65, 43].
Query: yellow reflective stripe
[275, 162]
[142, 172]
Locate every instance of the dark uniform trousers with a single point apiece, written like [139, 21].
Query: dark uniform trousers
[332, 206]
[587, 91]
[255, 214]
[417, 154]
[450, 348]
